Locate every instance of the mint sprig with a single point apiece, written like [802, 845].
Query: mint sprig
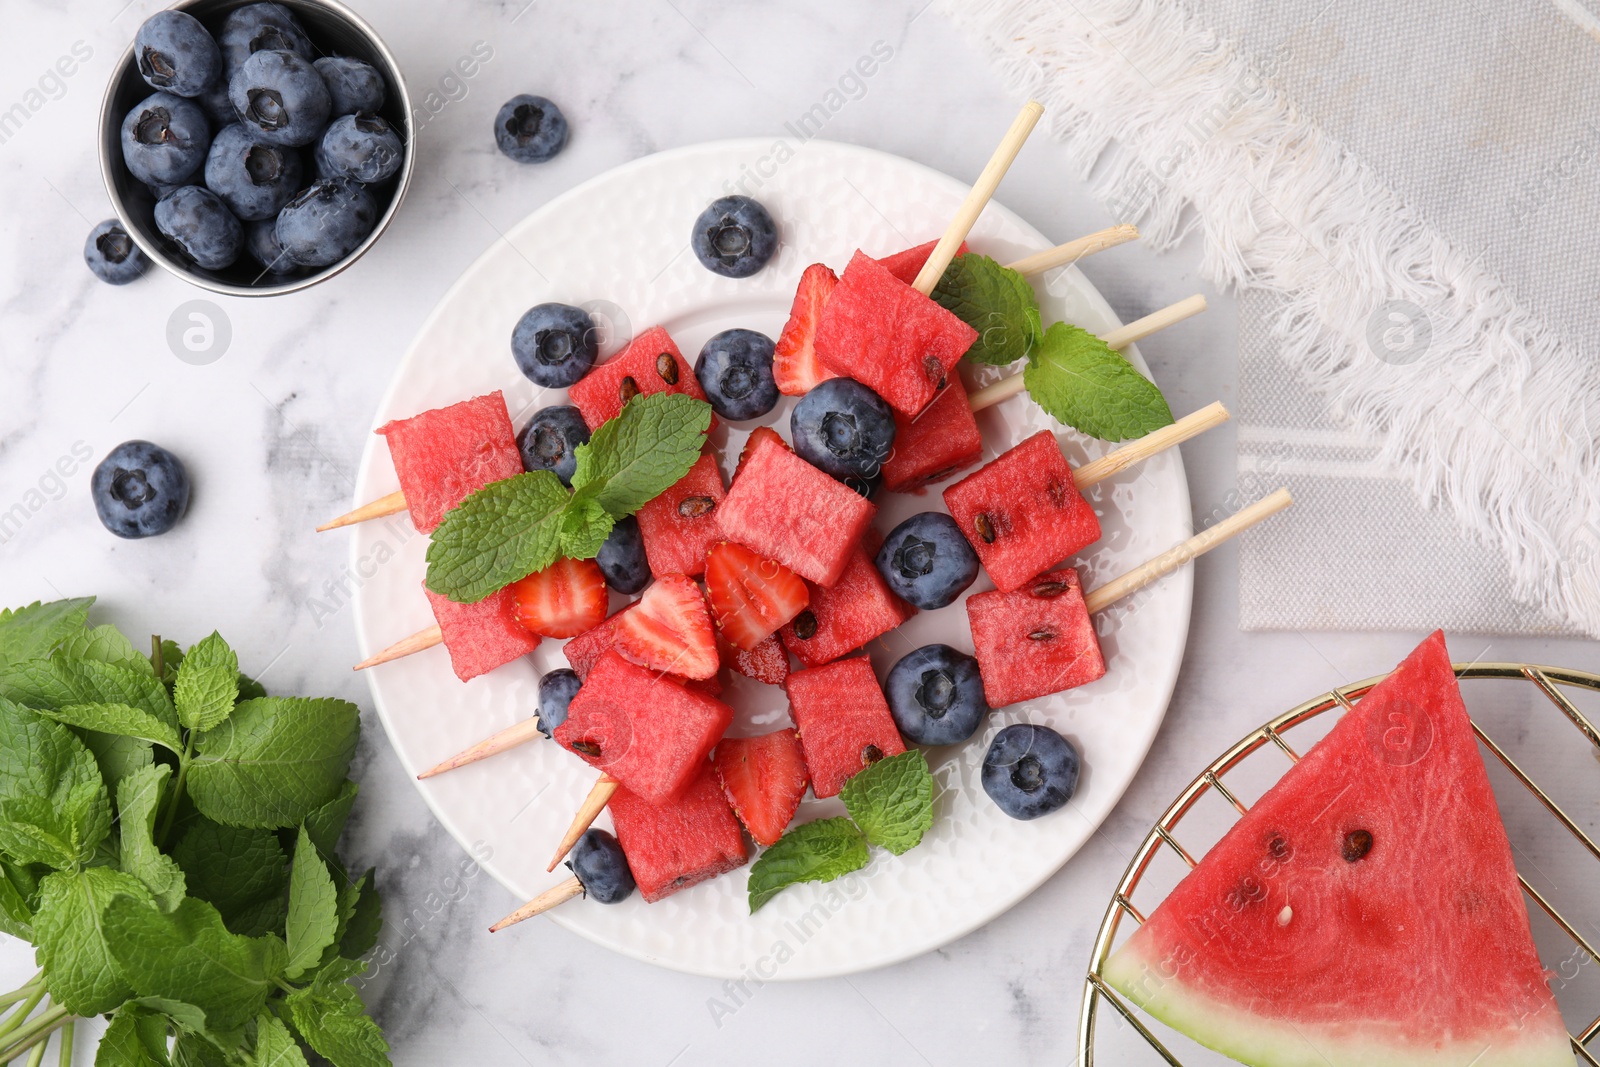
[811, 852]
[997, 302]
[509, 529]
[1081, 381]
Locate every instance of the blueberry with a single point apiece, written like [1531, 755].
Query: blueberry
[844, 428]
[927, 561]
[936, 695]
[555, 344]
[140, 490]
[261, 241]
[598, 862]
[734, 237]
[280, 96]
[353, 85]
[1030, 771]
[362, 147]
[622, 559]
[550, 441]
[326, 222]
[735, 370]
[164, 139]
[162, 190]
[202, 227]
[260, 28]
[175, 53]
[863, 487]
[530, 129]
[112, 255]
[254, 177]
[217, 105]
[556, 691]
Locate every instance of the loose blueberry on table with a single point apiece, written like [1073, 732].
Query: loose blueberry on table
[936, 695]
[140, 490]
[555, 344]
[927, 561]
[735, 370]
[112, 255]
[176, 54]
[550, 441]
[734, 237]
[1030, 770]
[556, 690]
[530, 129]
[843, 428]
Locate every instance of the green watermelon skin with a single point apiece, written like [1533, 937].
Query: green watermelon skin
[678, 843]
[444, 455]
[841, 714]
[480, 637]
[1417, 954]
[680, 526]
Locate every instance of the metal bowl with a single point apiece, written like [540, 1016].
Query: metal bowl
[335, 30]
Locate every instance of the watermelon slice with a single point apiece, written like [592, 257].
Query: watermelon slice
[481, 636]
[1036, 640]
[843, 720]
[1022, 511]
[641, 727]
[783, 507]
[680, 526]
[1365, 911]
[908, 264]
[889, 337]
[445, 455]
[839, 620]
[650, 364]
[941, 441]
[681, 842]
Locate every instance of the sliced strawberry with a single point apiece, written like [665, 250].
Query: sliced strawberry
[751, 596]
[757, 435]
[563, 600]
[764, 778]
[767, 662]
[670, 630]
[794, 359]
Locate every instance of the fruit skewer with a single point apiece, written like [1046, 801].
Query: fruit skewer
[1065, 611]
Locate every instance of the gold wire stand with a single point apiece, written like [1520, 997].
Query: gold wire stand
[1545, 679]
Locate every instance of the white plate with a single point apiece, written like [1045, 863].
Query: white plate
[621, 240]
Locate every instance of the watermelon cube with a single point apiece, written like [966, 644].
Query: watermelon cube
[680, 526]
[681, 842]
[1022, 512]
[783, 507]
[445, 455]
[650, 364]
[843, 720]
[878, 330]
[585, 650]
[645, 730]
[908, 264]
[481, 636]
[839, 620]
[1036, 640]
[939, 442]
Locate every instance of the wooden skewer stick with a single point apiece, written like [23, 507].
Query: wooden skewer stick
[1191, 425]
[1117, 339]
[1198, 545]
[510, 737]
[558, 894]
[977, 197]
[404, 647]
[593, 804]
[392, 504]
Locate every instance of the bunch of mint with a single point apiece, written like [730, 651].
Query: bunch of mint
[511, 528]
[1073, 375]
[167, 835]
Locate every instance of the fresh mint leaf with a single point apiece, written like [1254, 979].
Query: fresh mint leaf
[106, 644]
[275, 1045]
[361, 930]
[313, 921]
[16, 915]
[994, 300]
[193, 1050]
[54, 808]
[117, 756]
[138, 800]
[128, 1042]
[208, 683]
[243, 872]
[189, 955]
[171, 660]
[59, 681]
[326, 824]
[186, 1016]
[584, 528]
[503, 532]
[811, 852]
[80, 968]
[635, 457]
[274, 761]
[1080, 381]
[329, 1016]
[250, 689]
[120, 719]
[31, 632]
[892, 800]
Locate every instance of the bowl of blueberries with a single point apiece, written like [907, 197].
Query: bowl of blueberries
[251, 148]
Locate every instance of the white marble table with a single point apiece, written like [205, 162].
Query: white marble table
[273, 429]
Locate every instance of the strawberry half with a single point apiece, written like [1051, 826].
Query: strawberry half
[563, 600]
[751, 596]
[764, 779]
[794, 358]
[767, 662]
[670, 630]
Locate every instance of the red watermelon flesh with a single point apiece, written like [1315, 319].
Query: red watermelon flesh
[585, 650]
[908, 264]
[783, 507]
[680, 842]
[481, 636]
[839, 620]
[941, 441]
[1365, 911]
[680, 526]
[843, 720]
[644, 729]
[1022, 511]
[445, 455]
[650, 364]
[878, 330]
[767, 662]
[1035, 640]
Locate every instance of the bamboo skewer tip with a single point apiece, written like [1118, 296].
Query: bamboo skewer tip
[604, 788]
[557, 894]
